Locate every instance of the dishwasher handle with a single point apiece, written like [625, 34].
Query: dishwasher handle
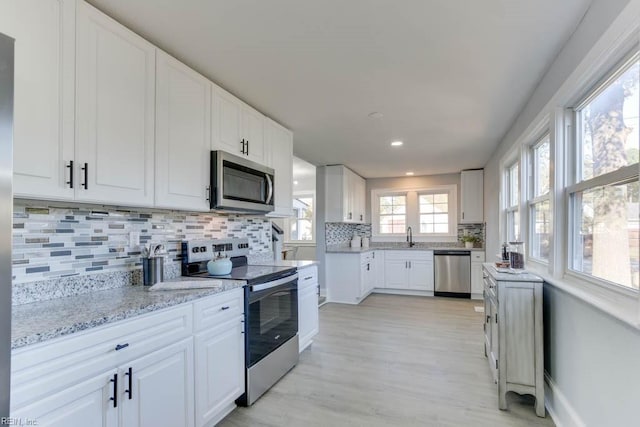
[452, 253]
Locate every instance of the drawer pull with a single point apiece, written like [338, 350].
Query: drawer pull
[114, 380]
[121, 346]
[308, 278]
[226, 307]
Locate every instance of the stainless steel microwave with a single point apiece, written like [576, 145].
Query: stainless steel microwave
[240, 185]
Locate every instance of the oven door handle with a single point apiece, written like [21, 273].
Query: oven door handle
[273, 284]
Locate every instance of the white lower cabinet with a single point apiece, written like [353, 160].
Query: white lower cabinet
[138, 372]
[477, 285]
[83, 404]
[157, 389]
[308, 322]
[219, 361]
[409, 270]
[349, 277]
[220, 371]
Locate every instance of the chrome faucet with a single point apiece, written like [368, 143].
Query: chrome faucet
[410, 237]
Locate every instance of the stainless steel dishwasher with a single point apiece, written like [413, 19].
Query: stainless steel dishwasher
[452, 273]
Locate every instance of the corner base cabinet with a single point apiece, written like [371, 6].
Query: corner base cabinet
[350, 277]
[514, 334]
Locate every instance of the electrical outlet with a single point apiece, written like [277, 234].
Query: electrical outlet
[134, 239]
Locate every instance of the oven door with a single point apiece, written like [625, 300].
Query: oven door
[272, 317]
[238, 184]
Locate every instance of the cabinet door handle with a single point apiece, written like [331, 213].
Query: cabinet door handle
[360, 217]
[85, 184]
[242, 150]
[121, 346]
[70, 167]
[226, 307]
[496, 317]
[129, 391]
[308, 278]
[247, 153]
[208, 193]
[488, 318]
[406, 264]
[368, 267]
[462, 215]
[114, 380]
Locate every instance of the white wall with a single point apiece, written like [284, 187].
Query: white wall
[591, 358]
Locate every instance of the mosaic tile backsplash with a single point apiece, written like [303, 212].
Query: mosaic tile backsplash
[53, 242]
[339, 233]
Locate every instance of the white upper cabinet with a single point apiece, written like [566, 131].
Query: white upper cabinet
[253, 132]
[346, 198]
[472, 196]
[279, 149]
[183, 136]
[237, 128]
[115, 106]
[44, 31]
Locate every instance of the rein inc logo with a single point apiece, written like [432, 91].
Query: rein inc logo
[10, 421]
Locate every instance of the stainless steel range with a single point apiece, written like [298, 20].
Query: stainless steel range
[270, 310]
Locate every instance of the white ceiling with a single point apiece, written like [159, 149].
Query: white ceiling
[449, 76]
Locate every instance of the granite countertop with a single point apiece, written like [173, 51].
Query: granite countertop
[292, 263]
[378, 247]
[515, 276]
[45, 320]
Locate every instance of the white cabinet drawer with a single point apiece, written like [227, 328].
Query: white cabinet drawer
[307, 277]
[216, 309]
[477, 256]
[409, 255]
[44, 368]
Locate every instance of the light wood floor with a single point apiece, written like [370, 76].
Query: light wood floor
[391, 361]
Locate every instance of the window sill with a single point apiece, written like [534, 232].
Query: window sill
[616, 304]
[308, 243]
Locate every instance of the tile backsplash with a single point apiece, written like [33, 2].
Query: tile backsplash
[472, 230]
[340, 233]
[54, 242]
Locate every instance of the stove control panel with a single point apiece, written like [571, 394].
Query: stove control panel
[207, 249]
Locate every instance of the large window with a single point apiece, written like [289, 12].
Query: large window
[301, 225]
[430, 212]
[539, 204]
[512, 200]
[393, 214]
[434, 212]
[604, 217]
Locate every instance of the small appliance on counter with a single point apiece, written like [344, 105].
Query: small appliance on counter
[270, 310]
[356, 241]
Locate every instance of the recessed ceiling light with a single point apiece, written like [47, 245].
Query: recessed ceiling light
[375, 115]
[396, 143]
[409, 173]
[295, 182]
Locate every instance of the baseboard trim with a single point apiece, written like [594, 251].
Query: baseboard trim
[558, 406]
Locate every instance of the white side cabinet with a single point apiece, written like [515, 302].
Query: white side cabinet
[308, 322]
[410, 270]
[279, 149]
[115, 111]
[237, 128]
[183, 136]
[349, 277]
[44, 76]
[472, 196]
[346, 200]
[514, 334]
[477, 286]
